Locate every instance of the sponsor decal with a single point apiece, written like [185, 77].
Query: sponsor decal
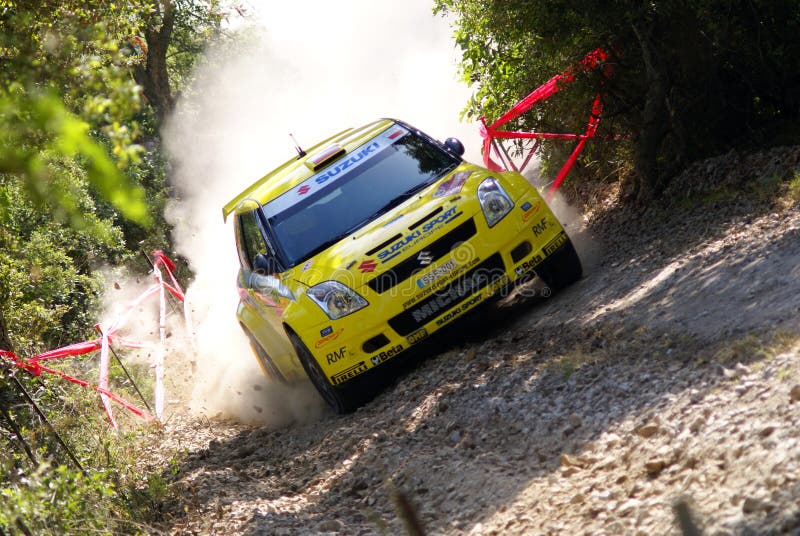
[334, 172]
[436, 273]
[441, 281]
[467, 305]
[530, 210]
[443, 301]
[395, 249]
[307, 265]
[486, 274]
[326, 331]
[417, 336]
[528, 265]
[459, 310]
[540, 227]
[425, 258]
[328, 337]
[445, 217]
[367, 266]
[385, 355]
[417, 236]
[349, 373]
[525, 206]
[331, 172]
[452, 185]
[555, 243]
[336, 355]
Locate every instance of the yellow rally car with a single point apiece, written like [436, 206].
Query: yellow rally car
[357, 250]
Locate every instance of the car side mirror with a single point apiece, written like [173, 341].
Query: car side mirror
[455, 146]
[265, 265]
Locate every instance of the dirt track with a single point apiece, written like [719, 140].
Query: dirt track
[670, 371]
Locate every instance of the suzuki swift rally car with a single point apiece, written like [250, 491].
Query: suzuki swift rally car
[370, 242]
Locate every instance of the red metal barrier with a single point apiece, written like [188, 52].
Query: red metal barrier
[491, 133]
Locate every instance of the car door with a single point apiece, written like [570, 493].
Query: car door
[263, 298]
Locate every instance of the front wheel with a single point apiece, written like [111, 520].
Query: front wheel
[562, 268]
[340, 399]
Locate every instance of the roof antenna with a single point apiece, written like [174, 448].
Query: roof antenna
[301, 153]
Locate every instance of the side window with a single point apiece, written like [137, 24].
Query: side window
[248, 239]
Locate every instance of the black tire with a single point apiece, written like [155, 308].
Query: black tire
[340, 399]
[562, 268]
[267, 365]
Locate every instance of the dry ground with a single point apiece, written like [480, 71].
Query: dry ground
[668, 374]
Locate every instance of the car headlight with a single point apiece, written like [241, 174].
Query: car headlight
[336, 299]
[494, 201]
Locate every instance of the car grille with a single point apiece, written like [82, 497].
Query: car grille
[473, 281]
[411, 265]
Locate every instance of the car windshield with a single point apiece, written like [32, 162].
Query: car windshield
[354, 190]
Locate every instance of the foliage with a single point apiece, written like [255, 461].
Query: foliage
[82, 184]
[58, 501]
[691, 77]
[46, 277]
[63, 79]
[794, 187]
[112, 460]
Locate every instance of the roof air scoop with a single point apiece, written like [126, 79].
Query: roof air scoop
[324, 157]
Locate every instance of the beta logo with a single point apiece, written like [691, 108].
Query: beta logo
[336, 355]
[383, 356]
[528, 265]
[367, 266]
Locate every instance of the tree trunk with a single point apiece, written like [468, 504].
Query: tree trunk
[5, 341]
[154, 77]
[655, 121]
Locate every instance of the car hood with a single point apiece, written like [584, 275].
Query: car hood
[394, 236]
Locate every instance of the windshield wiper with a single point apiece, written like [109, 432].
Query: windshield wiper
[400, 199]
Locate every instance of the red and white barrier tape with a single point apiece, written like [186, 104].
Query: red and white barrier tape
[108, 336]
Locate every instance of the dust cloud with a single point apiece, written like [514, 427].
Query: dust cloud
[571, 218]
[312, 71]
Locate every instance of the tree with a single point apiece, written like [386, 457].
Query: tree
[66, 106]
[71, 174]
[175, 34]
[63, 81]
[691, 77]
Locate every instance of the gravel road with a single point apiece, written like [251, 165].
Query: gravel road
[667, 379]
